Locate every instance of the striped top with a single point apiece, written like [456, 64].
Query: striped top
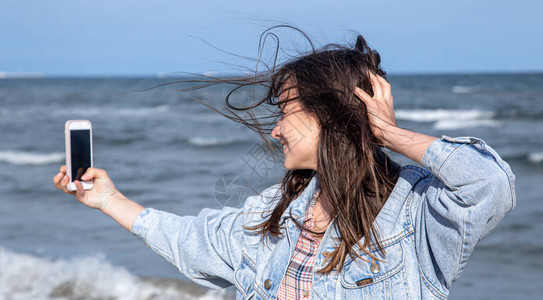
[298, 278]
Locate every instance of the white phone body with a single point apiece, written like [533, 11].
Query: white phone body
[79, 156]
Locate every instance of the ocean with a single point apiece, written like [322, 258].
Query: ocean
[167, 151]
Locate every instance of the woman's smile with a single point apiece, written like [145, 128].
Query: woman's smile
[285, 147]
[298, 131]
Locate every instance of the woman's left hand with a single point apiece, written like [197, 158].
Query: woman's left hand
[380, 107]
[408, 143]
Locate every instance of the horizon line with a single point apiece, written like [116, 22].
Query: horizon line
[38, 75]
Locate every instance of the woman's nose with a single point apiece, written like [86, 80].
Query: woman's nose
[275, 132]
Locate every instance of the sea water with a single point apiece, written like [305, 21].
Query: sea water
[165, 150]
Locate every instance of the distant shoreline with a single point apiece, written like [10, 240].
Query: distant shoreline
[40, 75]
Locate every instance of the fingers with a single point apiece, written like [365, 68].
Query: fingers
[60, 175]
[385, 87]
[80, 192]
[361, 94]
[94, 173]
[61, 183]
[382, 92]
[381, 88]
[57, 179]
[61, 180]
[376, 86]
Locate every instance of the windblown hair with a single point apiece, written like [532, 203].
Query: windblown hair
[354, 173]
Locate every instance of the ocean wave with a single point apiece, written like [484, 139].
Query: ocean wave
[31, 158]
[24, 276]
[449, 118]
[536, 157]
[124, 112]
[432, 115]
[86, 111]
[462, 89]
[210, 141]
[459, 124]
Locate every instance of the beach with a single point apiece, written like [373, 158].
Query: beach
[167, 151]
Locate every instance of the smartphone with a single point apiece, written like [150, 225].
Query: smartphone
[78, 135]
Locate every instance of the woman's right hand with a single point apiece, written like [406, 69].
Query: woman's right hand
[98, 197]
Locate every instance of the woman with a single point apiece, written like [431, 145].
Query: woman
[346, 221]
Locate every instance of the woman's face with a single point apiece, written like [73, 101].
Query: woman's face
[298, 131]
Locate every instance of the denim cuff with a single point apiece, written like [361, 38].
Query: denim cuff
[440, 150]
[143, 222]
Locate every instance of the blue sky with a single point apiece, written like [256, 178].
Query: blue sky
[115, 38]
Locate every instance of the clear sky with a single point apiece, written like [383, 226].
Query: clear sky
[136, 37]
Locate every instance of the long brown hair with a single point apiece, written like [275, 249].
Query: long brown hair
[354, 173]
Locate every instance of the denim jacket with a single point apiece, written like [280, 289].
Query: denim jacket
[428, 227]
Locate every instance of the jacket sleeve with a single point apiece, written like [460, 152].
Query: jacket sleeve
[471, 191]
[206, 248]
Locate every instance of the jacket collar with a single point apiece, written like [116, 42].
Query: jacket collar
[298, 206]
[389, 222]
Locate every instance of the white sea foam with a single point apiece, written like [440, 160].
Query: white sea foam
[432, 115]
[458, 124]
[536, 157]
[461, 89]
[144, 111]
[4, 75]
[209, 141]
[69, 112]
[31, 158]
[125, 112]
[449, 118]
[24, 276]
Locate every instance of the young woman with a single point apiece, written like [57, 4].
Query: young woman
[346, 222]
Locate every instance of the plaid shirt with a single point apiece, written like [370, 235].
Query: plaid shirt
[298, 278]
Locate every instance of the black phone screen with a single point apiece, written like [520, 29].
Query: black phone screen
[81, 152]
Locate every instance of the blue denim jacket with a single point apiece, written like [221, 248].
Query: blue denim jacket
[429, 227]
